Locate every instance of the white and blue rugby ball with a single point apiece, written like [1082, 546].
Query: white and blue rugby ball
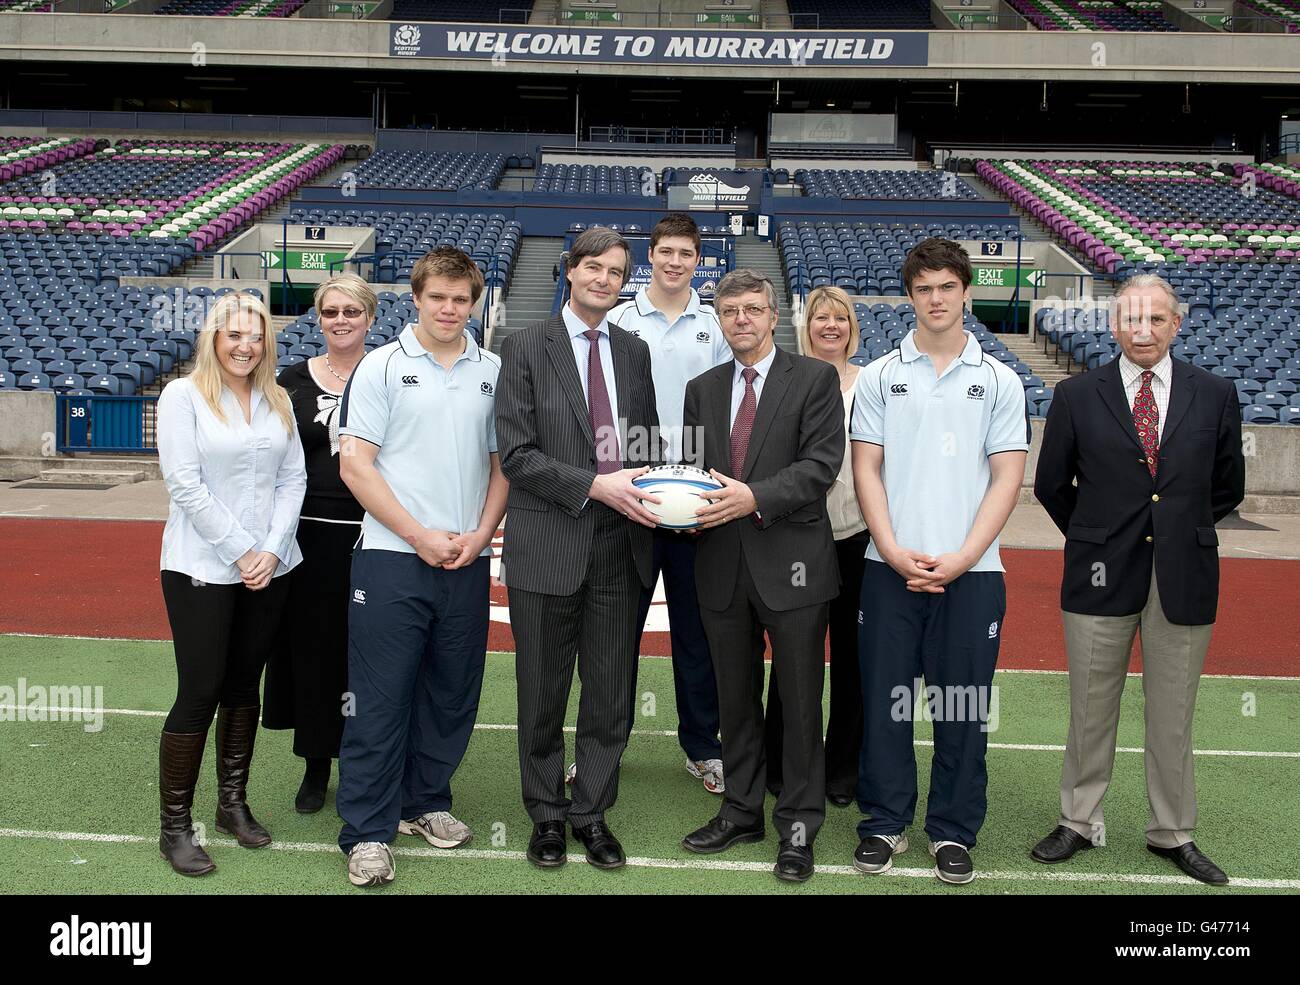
[680, 489]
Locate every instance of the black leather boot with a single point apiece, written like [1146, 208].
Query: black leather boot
[311, 795]
[179, 758]
[236, 732]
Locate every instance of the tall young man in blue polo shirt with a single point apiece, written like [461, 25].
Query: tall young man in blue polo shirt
[685, 340]
[418, 449]
[938, 433]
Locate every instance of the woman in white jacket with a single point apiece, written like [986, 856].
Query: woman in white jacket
[233, 464]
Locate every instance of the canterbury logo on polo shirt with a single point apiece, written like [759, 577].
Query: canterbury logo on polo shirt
[410, 381]
[358, 596]
[993, 630]
[898, 389]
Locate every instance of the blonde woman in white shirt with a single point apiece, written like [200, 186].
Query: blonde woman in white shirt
[830, 333]
[233, 464]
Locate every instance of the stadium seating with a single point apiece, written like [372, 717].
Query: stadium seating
[231, 8]
[897, 15]
[857, 183]
[164, 191]
[1286, 11]
[1094, 15]
[1258, 348]
[25, 155]
[486, 238]
[431, 171]
[882, 327]
[863, 258]
[589, 179]
[1118, 211]
[111, 339]
[514, 12]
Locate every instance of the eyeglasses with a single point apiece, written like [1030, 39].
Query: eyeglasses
[752, 310]
[347, 312]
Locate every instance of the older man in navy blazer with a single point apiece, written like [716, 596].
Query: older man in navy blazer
[1140, 459]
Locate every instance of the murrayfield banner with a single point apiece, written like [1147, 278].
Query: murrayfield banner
[598, 46]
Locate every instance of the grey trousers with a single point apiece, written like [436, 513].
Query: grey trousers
[1098, 649]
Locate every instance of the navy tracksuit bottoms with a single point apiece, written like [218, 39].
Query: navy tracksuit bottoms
[417, 640]
[949, 640]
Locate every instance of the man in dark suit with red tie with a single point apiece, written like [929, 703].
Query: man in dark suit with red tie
[772, 425]
[1140, 459]
[575, 410]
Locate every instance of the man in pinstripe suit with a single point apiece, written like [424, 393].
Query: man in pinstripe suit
[575, 407]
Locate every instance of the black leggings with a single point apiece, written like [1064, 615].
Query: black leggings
[222, 636]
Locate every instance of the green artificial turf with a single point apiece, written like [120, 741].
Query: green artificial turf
[57, 777]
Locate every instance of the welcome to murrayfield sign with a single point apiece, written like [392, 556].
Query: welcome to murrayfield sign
[658, 47]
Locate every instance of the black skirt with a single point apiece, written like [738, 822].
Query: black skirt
[307, 673]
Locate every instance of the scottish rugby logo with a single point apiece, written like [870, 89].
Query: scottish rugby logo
[406, 40]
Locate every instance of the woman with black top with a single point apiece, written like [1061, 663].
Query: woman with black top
[308, 674]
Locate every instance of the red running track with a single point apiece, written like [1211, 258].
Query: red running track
[100, 578]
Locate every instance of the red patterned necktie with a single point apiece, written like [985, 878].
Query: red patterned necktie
[608, 458]
[744, 423]
[1146, 418]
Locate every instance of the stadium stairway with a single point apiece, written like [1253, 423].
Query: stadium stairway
[532, 286]
[516, 179]
[1031, 227]
[753, 252]
[1032, 355]
[203, 266]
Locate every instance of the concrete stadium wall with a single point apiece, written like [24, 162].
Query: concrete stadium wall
[653, 157]
[222, 126]
[26, 421]
[343, 44]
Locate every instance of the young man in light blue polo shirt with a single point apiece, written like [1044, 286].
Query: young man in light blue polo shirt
[418, 449]
[938, 433]
[685, 340]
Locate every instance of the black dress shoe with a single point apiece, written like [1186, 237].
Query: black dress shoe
[839, 798]
[603, 849]
[1193, 861]
[719, 835]
[1060, 846]
[794, 863]
[546, 848]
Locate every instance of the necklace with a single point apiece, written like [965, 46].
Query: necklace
[341, 379]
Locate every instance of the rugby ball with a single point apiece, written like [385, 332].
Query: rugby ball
[679, 489]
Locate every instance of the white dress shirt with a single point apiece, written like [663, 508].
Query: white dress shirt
[234, 486]
[1131, 373]
[763, 366]
[581, 350]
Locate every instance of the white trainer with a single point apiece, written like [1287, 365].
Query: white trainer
[708, 770]
[370, 863]
[439, 829]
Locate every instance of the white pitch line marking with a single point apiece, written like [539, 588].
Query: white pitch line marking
[713, 865]
[672, 734]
